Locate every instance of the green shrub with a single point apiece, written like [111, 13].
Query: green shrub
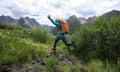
[20, 44]
[36, 34]
[100, 39]
[9, 26]
[16, 49]
[51, 63]
[66, 69]
[96, 65]
[77, 68]
[54, 31]
[39, 34]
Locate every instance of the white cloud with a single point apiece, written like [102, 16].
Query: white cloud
[39, 9]
[105, 6]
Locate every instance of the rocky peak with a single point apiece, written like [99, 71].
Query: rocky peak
[111, 13]
[74, 19]
[28, 22]
[8, 19]
[74, 23]
[82, 20]
[90, 19]
[24, 22]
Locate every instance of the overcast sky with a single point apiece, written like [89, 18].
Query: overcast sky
[39, 9]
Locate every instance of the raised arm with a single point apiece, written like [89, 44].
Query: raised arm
[53, 21]
[57, 24]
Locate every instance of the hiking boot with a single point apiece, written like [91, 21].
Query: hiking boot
[74, 44]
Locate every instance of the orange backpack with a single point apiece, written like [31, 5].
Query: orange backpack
[64, 27]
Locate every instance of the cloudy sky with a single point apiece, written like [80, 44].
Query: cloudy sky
[39, 9]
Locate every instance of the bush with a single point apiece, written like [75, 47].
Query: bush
[16, 45]
[9, 26]
[39, 34]
[51, 63]
[36, 34]
[96, 65]
[14, 50]
[100, 39]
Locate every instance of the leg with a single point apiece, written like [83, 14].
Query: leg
[55, 43]
[65, 41]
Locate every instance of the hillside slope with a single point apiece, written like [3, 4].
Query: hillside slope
[30, 50]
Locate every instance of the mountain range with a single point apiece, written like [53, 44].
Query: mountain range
[73, 21]
[24, 22]
[111, 14]
[90, 19]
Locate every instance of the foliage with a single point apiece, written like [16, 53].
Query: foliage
[36, 34]
[20, 44]
[54, 31]
[100, 39]
[39, 34]
[77, 68]
[96, 65]
[11, 53]
[9, 26]
[66, 69]
[51, 63]
[73, 27]
[15, 49]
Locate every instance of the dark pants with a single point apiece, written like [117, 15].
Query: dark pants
[64, 41]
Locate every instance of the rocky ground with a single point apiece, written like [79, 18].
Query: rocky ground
[36, 65]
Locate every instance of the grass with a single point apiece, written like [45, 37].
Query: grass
[66, 69]
[18, 44]
[77, 68]
[14, 50]
[96, 65]
[51, 63]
